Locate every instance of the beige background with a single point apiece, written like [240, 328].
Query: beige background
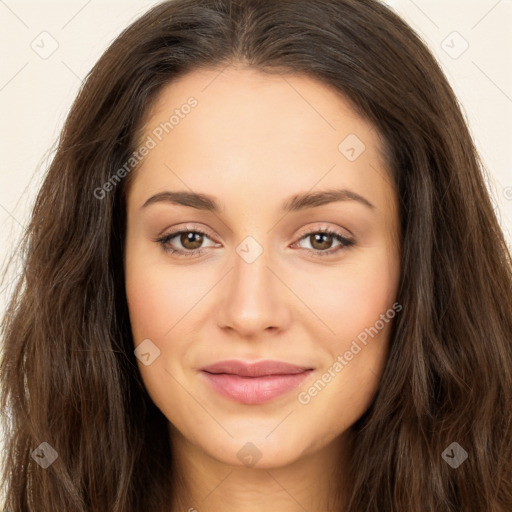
[36, 89]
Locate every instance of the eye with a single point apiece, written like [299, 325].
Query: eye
[189, 239]
[321, 241]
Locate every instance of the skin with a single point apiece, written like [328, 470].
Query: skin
[252, 141]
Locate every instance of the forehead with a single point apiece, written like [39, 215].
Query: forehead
[258, 133]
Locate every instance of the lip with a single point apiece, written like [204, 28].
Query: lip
[254, 383]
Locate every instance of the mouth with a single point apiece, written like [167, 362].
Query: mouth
[254, 383]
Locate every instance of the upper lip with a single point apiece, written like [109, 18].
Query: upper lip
[258, 369]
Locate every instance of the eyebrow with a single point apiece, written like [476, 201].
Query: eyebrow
[295, 203]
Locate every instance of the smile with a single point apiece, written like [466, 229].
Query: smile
[254, 383]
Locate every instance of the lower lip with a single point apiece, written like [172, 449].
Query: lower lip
[254, 390]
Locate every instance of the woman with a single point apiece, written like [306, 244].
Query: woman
[263, 272]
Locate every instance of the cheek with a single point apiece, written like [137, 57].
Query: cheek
[367, 295]
[357, 305]
[154, 308]
[157, 295]
[351, 298]
[147, 304]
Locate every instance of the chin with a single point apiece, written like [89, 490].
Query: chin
[253, 451]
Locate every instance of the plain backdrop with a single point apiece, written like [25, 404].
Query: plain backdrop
[48, 47]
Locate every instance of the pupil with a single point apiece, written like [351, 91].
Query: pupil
[188, 238]
[325, 244]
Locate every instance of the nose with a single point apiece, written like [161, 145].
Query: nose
[253, 299]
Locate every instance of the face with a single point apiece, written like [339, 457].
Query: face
[263, 266]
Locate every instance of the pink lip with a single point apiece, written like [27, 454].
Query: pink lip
[254, 383]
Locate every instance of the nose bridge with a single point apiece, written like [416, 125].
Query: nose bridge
[250, 274]
[252, 300]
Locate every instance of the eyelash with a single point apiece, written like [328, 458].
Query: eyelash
[164, 242]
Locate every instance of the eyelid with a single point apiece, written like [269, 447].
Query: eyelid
[189, 228]
[322, 228]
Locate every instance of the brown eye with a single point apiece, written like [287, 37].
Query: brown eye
[321, 241]
[191, 240]
[325, 242]
[186, 242]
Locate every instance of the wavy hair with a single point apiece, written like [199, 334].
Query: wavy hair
[68, 372]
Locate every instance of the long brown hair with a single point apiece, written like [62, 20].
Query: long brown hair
[68, 374]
